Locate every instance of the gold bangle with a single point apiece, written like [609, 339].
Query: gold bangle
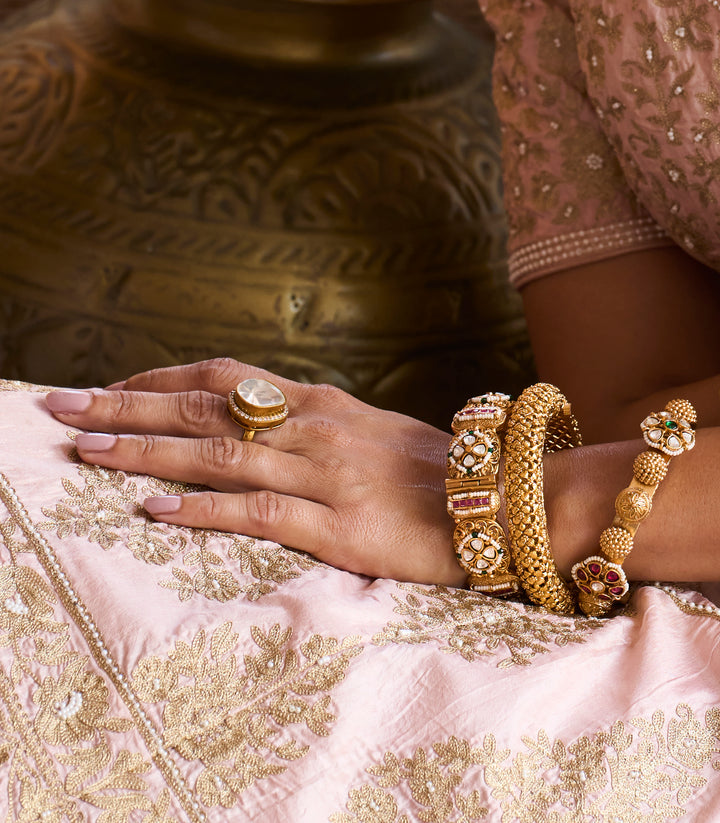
[473, 499]
[601, 579]
[541, 421]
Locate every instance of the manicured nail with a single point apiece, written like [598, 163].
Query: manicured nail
[69, 401]
[93, 442]
[116, 386]
[166, 504]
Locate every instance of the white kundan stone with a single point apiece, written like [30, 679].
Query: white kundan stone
[260, 393]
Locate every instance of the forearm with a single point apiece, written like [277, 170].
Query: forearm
[680, 539]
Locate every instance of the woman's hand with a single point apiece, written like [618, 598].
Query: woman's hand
[357, 487]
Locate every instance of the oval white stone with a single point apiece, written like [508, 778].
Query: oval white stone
[258, 392]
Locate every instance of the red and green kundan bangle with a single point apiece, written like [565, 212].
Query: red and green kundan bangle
[600, 579]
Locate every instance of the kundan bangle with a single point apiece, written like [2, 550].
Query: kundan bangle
[541, 421]
[601, 579]
[473, 499]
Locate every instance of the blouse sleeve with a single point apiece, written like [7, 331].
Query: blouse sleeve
[566, 197]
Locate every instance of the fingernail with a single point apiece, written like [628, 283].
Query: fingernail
[93, 442]
[69, 401]
[166, 504]
[116, 386]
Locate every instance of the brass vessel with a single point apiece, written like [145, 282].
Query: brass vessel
[310, 186]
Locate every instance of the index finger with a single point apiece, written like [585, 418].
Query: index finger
[218, 376]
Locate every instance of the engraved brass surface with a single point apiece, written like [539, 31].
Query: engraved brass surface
[312, 187]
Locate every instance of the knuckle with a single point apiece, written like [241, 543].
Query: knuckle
[221, 453]
[146, 447]
[208, 505]
[195, 409]
[219, 370]
[263, 508]
[327, 394]
[329, 439]
[126, 405]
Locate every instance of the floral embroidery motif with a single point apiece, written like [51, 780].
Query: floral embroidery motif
[243, 725]
[474, 626]
[72, 723]
[607, 148]
[648, 763]
[105, 510]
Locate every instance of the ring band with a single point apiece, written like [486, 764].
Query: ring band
[256, 405]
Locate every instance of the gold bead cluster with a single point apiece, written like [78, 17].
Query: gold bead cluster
[600, 579]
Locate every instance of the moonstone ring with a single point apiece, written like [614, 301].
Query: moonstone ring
[255, 405]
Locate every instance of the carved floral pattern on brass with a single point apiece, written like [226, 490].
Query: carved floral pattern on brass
[160, 205]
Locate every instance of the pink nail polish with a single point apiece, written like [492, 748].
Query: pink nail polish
[95, 442]
[68, 401]
[166, 504]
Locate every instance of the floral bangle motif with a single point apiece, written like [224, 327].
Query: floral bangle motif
[472, 496]
[600, 579]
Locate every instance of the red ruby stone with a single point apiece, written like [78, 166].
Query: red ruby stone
[612, 577]
[581, 574]
[594, 568]
[618, 590]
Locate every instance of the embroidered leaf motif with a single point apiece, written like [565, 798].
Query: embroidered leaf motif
[471, 625]
[105, 509]
[70, 708]
[244, 722]
[649, 764]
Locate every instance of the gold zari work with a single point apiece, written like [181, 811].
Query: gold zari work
[473, 626]
[649, 763]
[242, 724]
[104, 506]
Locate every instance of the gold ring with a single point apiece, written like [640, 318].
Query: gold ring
[256, 405]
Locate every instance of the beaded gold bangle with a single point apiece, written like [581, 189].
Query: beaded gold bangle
[601, 579]
[541, 421]
[473, 499]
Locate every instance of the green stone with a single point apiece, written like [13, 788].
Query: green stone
[671, 424]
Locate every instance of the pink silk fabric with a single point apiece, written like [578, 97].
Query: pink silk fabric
[611, 118]
[155, 673]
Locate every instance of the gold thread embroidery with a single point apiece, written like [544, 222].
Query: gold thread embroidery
[105, 510]
[72, 707]
[647, 764]
[474, 626]
[238, 723]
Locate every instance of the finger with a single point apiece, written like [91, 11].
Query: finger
[183, 414]
[221, 463]
[303, 524]
[217, 376]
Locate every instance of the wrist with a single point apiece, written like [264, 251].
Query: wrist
[580, 489]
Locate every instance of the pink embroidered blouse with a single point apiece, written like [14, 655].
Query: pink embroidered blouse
[611, 128]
